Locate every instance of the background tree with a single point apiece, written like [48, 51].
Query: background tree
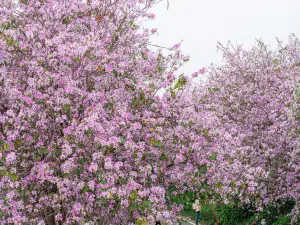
[253, 102]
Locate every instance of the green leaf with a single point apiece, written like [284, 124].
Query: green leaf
[214, 89]
[44, 151]
[6, 26]
[214, 156]
[156, 143]
[58, 152]
[10, 42]
[135, 155]
[3, 172]
[203, 169]
[85, 189]
[40, 102]
[67, 107]
[83, 161]
[80, 145]
[141, 222]
[219, 185]
[122, 180]
[180, 82]
[164, 157]
[36, 137]
[6, 147]
[79, 170]
[18, 143]
[76, 60]
[13, 176]
[65, 175]
[89, 132]
[147, 204]
[134, 195]
[233, 185]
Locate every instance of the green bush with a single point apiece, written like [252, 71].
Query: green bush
[285, 220]
[234, 214]
[207, 214]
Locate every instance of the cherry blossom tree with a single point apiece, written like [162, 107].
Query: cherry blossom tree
[85, 137]
[253, 105]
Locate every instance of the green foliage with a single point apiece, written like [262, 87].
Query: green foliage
[11, 42]
[202, 170]
[141, 100]
[238, 214]
[180, 83]
[67, 107]
[79, 170]
[134, 195]
[89, 132]
[186, 199]
[83, 161]
[156, 143]
[234, 214]
[207, 214]
[85, 189]
[214, 89]
[285, 220]
[58, 152]
[13, 176]
[5, 26]
[214, 156]
[18, 143]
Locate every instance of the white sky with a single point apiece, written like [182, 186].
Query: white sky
[201, 23]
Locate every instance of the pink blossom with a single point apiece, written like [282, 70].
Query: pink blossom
[11, 158]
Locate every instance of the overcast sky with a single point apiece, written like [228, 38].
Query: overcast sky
[201, 23]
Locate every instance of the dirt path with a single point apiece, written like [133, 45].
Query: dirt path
[187, 221]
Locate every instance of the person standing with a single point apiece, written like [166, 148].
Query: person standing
[197, 208]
